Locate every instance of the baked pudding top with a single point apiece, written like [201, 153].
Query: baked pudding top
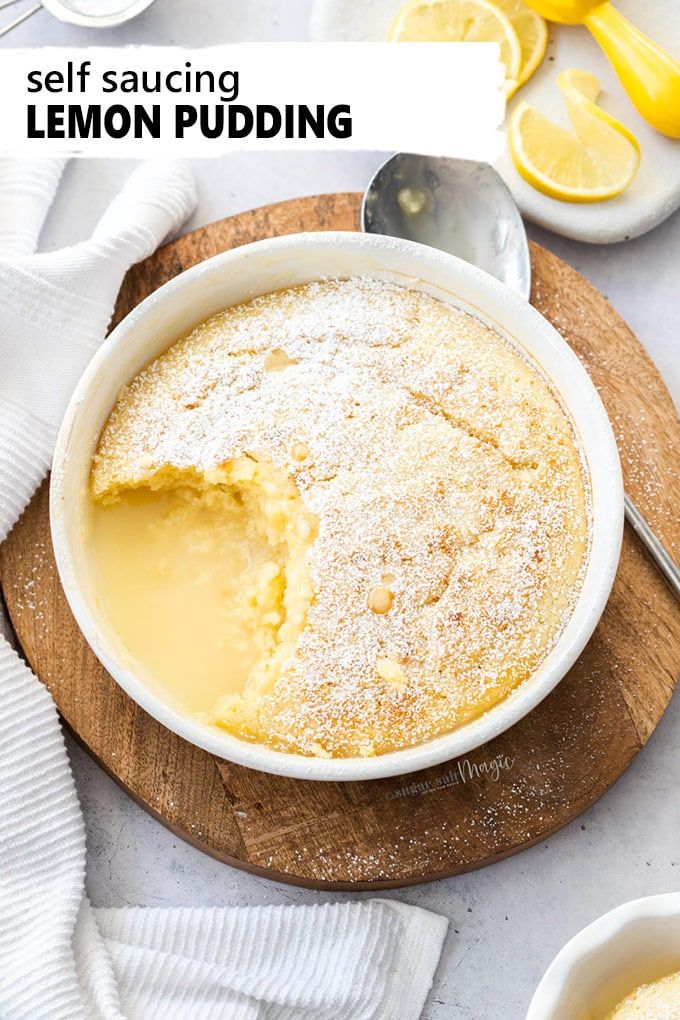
[419, 486]
[658, 1000]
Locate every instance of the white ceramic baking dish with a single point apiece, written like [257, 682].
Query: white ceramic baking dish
[258, 268]
[636, 943]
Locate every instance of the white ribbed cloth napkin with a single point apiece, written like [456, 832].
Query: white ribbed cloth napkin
[59, 957]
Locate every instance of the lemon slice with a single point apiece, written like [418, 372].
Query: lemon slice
[460, 21]
[597, 159]
[532, 32]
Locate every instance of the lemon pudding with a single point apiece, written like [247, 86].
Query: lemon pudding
[340, 519]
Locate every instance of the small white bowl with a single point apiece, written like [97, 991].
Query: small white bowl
[243, 273]
[636, 943]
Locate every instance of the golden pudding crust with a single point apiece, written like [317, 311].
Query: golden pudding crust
[439, 494]
[659, 1000]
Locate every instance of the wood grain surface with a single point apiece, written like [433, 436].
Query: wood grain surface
[497, 800]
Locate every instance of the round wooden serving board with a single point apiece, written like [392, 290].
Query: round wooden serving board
[499, 799]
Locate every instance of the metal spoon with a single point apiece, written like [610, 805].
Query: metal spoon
[465, 208]
[128, 9]
[457, 205]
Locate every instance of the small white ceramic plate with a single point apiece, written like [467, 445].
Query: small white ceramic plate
[655, 192]
[260, 268]
[632, 945]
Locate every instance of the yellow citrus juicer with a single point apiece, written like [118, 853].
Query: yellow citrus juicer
[650, 76]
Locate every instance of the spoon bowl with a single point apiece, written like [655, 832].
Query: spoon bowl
[457, 205]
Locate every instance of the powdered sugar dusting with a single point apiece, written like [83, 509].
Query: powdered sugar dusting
[437, 458]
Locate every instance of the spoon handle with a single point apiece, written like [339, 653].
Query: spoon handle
[649, 74]
[24, 16]
[664, 561]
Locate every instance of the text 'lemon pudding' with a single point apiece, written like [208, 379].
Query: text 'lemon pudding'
[340, 519]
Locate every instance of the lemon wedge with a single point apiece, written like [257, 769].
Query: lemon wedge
[596, 160]
[460, 21]
[532, 32]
